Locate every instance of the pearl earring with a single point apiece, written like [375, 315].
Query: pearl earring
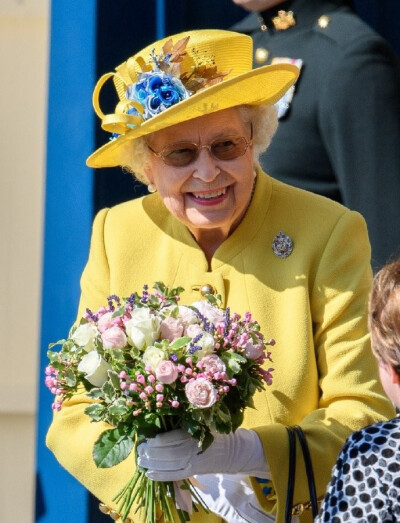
[151, 188]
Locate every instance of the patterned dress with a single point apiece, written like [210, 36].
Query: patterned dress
[365, 484]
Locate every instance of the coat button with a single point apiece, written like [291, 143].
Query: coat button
[261, 55]
[207, 289]
[324, 21]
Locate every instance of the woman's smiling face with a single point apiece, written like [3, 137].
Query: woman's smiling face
[208, 193]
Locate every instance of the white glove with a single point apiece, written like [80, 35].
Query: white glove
[173, 455]
[232, 498]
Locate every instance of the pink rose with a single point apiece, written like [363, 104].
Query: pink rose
[105, 322]
[171, 328]
[201, 393]
[114, 338]
[166, 372]
[253, 352]
[211, 363]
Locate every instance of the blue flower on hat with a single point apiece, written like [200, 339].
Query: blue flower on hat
[156, 91]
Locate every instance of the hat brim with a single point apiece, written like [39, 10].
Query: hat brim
[259, 86]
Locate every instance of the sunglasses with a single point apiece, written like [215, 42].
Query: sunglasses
[181, 154]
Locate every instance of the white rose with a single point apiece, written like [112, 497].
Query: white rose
[152, 356]
[94, 368]
[85, 335]
[187, 315]
[143, 328]
[193, 330]
[206, 342]
[210, 312]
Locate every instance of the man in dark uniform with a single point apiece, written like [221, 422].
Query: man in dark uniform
[339, 134]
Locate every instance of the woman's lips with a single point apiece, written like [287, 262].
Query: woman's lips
[209, 197]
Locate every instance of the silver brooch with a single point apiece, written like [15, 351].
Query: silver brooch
[282, 245]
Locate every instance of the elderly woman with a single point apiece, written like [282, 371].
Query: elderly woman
[191, 121]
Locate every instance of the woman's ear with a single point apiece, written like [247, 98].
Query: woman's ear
[148, 172]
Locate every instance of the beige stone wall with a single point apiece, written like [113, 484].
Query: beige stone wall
[24, 30]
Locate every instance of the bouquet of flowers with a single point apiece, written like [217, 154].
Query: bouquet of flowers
[151, 365]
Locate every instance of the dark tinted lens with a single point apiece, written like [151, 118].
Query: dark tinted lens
[180, 154]
[229, 148]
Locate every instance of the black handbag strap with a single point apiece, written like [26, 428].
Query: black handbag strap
[309, 469]
[291, 474]
[292, 432]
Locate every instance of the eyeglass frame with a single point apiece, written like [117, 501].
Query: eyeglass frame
[160, 154]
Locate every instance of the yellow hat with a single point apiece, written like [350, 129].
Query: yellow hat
[183, 77]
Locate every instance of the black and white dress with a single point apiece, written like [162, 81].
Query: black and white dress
[365, 483]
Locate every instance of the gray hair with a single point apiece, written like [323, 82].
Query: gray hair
[263, 119]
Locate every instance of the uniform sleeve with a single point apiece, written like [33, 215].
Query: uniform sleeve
[350, 395]
[359, 119]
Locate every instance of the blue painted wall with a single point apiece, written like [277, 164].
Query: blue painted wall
[68, 217]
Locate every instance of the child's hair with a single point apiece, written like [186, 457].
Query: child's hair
[384, 315]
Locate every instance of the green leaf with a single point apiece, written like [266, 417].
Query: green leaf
[59, 342]
[52, 356]
[238, 357]
[152, 419]
[211, 299]
[108, 389]
[112, 447]
[206, 441]
[69, 346]
[180, 342]
[191, 427]
[234, 366]
[118, 410]
[95, 393]
[237, 419]
[114, 378]
[119, 312]
[70, 378]
[222, 412]
[95, 411]
[250, 402]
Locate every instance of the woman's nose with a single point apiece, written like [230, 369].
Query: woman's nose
[205, 166]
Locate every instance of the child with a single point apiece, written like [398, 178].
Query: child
[365, 484]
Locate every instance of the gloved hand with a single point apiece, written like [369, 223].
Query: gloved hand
[232, 498]
[175, 455]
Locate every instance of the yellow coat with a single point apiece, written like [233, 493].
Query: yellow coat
[313, 303]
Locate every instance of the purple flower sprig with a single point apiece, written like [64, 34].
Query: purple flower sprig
[193, 347]
[145, 295]
[89, 315]
[208, 326]
[227, 320]
[111, 299]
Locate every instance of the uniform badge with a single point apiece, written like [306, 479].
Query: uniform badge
[282, 245]
[284, 20]
[282, 105]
